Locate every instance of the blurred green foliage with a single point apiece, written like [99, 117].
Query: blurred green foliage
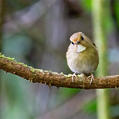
[90, 107]
[87, 5]
[66, 93]
[116, 11]
[19, 96]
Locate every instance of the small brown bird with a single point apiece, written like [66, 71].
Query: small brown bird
[82, 55]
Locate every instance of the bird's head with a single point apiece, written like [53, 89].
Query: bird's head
[80, 41]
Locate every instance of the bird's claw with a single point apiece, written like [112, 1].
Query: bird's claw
[73, 75]
[91, 77]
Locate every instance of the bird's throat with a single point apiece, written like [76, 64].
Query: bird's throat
[80, 48]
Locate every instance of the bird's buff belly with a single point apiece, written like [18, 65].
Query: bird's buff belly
[79, 65]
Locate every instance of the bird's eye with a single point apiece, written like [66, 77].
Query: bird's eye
[72, 43]
[82, 38]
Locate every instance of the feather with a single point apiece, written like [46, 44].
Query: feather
[80, 48]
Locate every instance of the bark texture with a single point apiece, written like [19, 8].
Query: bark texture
[56, 79]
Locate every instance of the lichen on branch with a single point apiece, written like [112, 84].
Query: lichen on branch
[53, 78]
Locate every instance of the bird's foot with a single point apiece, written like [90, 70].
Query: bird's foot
[91, 77]
[73, 75]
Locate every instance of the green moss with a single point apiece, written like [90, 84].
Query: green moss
[62, 73]
[40, 70]
[69, 75]
[9, 58]
[1, 55]
[32, 69]
[54, 72]
[22, 64]
[81, 75]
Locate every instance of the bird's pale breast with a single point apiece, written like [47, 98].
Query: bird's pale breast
[83, 62]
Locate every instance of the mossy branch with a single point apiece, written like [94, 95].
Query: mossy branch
[55, 79]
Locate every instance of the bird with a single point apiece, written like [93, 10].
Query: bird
[82, 55]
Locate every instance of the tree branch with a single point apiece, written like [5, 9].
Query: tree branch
[55, 79]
